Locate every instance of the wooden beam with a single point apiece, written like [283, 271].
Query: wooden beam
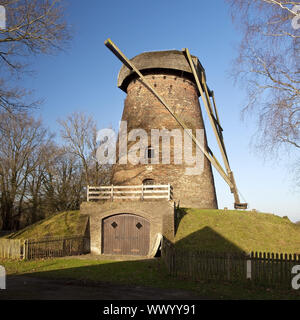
[234, 191]
[210, 151]
[217, 123]
[205, 95]
[215, 106]
[208, 108]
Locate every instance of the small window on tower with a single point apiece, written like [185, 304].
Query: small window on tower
[148, 182]
[150, 153]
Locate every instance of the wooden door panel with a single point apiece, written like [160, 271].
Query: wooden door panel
[126, 234]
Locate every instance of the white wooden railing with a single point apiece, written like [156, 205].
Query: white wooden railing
[141, 192]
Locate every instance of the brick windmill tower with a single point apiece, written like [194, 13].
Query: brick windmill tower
[170, 74]
[163, 90]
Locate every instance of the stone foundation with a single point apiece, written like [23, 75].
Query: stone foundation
[160, 214]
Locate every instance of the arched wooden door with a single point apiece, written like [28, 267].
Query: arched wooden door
[126, 234]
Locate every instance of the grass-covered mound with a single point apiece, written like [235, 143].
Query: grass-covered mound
[233, 230]
[203, 229]
[63, 224]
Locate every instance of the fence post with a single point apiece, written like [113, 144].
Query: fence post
[64, 247]
[25, 249]
[228, 266]
[87, 193]
[248, 267]
[173, 267]
[142, 196]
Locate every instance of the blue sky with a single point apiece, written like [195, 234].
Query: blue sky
[84, 78]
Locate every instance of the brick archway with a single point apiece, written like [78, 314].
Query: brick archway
[125, 234]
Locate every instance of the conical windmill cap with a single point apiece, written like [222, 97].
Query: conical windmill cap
[159, 60]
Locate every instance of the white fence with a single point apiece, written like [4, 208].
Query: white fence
[141, 192]
[12, 249]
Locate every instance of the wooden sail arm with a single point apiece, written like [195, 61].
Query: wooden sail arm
[110, 45]
[207, 105]
[215, 123]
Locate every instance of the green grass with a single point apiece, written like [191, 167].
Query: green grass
[203, 229]
[62, 224]
[234, 230]
[147, 273]
[216, 230]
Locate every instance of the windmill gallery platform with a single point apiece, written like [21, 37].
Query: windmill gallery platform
[131, 216]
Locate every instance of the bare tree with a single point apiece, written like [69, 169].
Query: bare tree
[21, 141]
[32, 27]
[63, 185]
[38, 177]
[269, 65]
[80, 134]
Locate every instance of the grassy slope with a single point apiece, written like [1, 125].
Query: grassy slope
[62, 224]
[221, 230]
[216, 230]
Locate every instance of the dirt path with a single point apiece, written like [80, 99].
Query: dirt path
[29, 288]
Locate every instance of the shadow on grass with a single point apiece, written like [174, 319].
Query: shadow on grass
[179, 214]
[209, 240]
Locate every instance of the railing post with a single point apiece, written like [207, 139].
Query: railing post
[87, 193]
[112, 192]
[169, 191]
[142, 196]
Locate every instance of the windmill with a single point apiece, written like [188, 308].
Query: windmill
[209, 103]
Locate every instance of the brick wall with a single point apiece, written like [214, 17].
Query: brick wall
[143, 110]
